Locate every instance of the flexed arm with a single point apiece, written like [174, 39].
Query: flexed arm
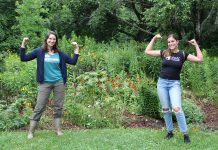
[74, 59]
[23, 55]
[149, 49]
[199, 57]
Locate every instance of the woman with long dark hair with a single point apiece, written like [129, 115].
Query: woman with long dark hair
[51, 77]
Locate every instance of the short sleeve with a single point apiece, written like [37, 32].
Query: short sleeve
[161, 54]
[186, 55]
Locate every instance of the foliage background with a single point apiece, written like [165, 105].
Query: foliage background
[113, 75]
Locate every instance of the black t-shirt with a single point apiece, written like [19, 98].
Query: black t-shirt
[172, 65]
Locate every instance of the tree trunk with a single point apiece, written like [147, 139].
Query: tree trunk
[198, 22]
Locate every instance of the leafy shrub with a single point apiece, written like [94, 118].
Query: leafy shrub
[111, 57]
[18, 78]
[150, 66]
[94, 116]
[18, 92]
[192, 112]
[2, 56]
[149, 101]
[202, 77]
[103, 98]
[15, 116]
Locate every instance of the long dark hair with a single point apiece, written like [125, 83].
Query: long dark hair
[167, 52]
[45, 45]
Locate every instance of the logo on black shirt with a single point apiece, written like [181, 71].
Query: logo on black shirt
[172, 58]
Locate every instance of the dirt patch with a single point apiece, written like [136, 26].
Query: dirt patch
[211, 112]
[210, 121]
[137, 121]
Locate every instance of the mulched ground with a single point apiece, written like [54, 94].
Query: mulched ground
[136, 121]
[211, 112]
[210, 121]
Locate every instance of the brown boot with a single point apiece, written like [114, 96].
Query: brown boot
[33, 125]
[57, 123]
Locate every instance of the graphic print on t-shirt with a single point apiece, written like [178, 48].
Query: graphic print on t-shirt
[52, 71]
[172, 58]
[50, 59]
[172, 65]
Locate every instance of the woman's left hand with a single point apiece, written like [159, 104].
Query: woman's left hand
[193, 42]
[76, 46]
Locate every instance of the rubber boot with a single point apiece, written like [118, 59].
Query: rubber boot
[32, 128]
[57, 123]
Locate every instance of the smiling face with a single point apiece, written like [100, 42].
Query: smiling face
[51, 40]
[172, 43]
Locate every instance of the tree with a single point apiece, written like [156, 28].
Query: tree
[169, 16]
[31, 21]
[60, 16]
[204, 17]
[196, 18]
[7, 17]
[112, 18]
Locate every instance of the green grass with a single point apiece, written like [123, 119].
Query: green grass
[108, 139]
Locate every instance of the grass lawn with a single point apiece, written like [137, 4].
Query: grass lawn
[108, 139]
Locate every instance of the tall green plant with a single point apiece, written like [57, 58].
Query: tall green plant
[149, 102]
[202, 78]
[18, 78]
[91, 105]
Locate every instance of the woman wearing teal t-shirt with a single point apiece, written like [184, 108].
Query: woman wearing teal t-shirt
[51, 77]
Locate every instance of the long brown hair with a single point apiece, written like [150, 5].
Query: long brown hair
[168, 52]
[45, 45]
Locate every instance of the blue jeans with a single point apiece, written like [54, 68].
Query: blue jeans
[169, 92]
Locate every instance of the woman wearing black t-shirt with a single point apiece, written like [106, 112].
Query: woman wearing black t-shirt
[168, 86]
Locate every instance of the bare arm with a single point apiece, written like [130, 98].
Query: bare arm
[149, 49]
[193, 58]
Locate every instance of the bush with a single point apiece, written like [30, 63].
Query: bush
[89, 102]
[149, 102]
[150, 66]
[18, 92]
[18, 78]
[192, 112]
[15, 116]
[94, 116]
[202, 78]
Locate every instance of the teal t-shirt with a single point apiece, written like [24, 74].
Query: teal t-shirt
[52, 71]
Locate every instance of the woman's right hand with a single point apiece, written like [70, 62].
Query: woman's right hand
[149, 49]
[24, 42]
[193, 42]
[157, 36]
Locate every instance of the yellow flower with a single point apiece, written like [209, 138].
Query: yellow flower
[28, 104]
[195, 129]
[23, 89]
[94, 55]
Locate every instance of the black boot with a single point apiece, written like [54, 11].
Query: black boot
[169, 135]
[186, 139]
